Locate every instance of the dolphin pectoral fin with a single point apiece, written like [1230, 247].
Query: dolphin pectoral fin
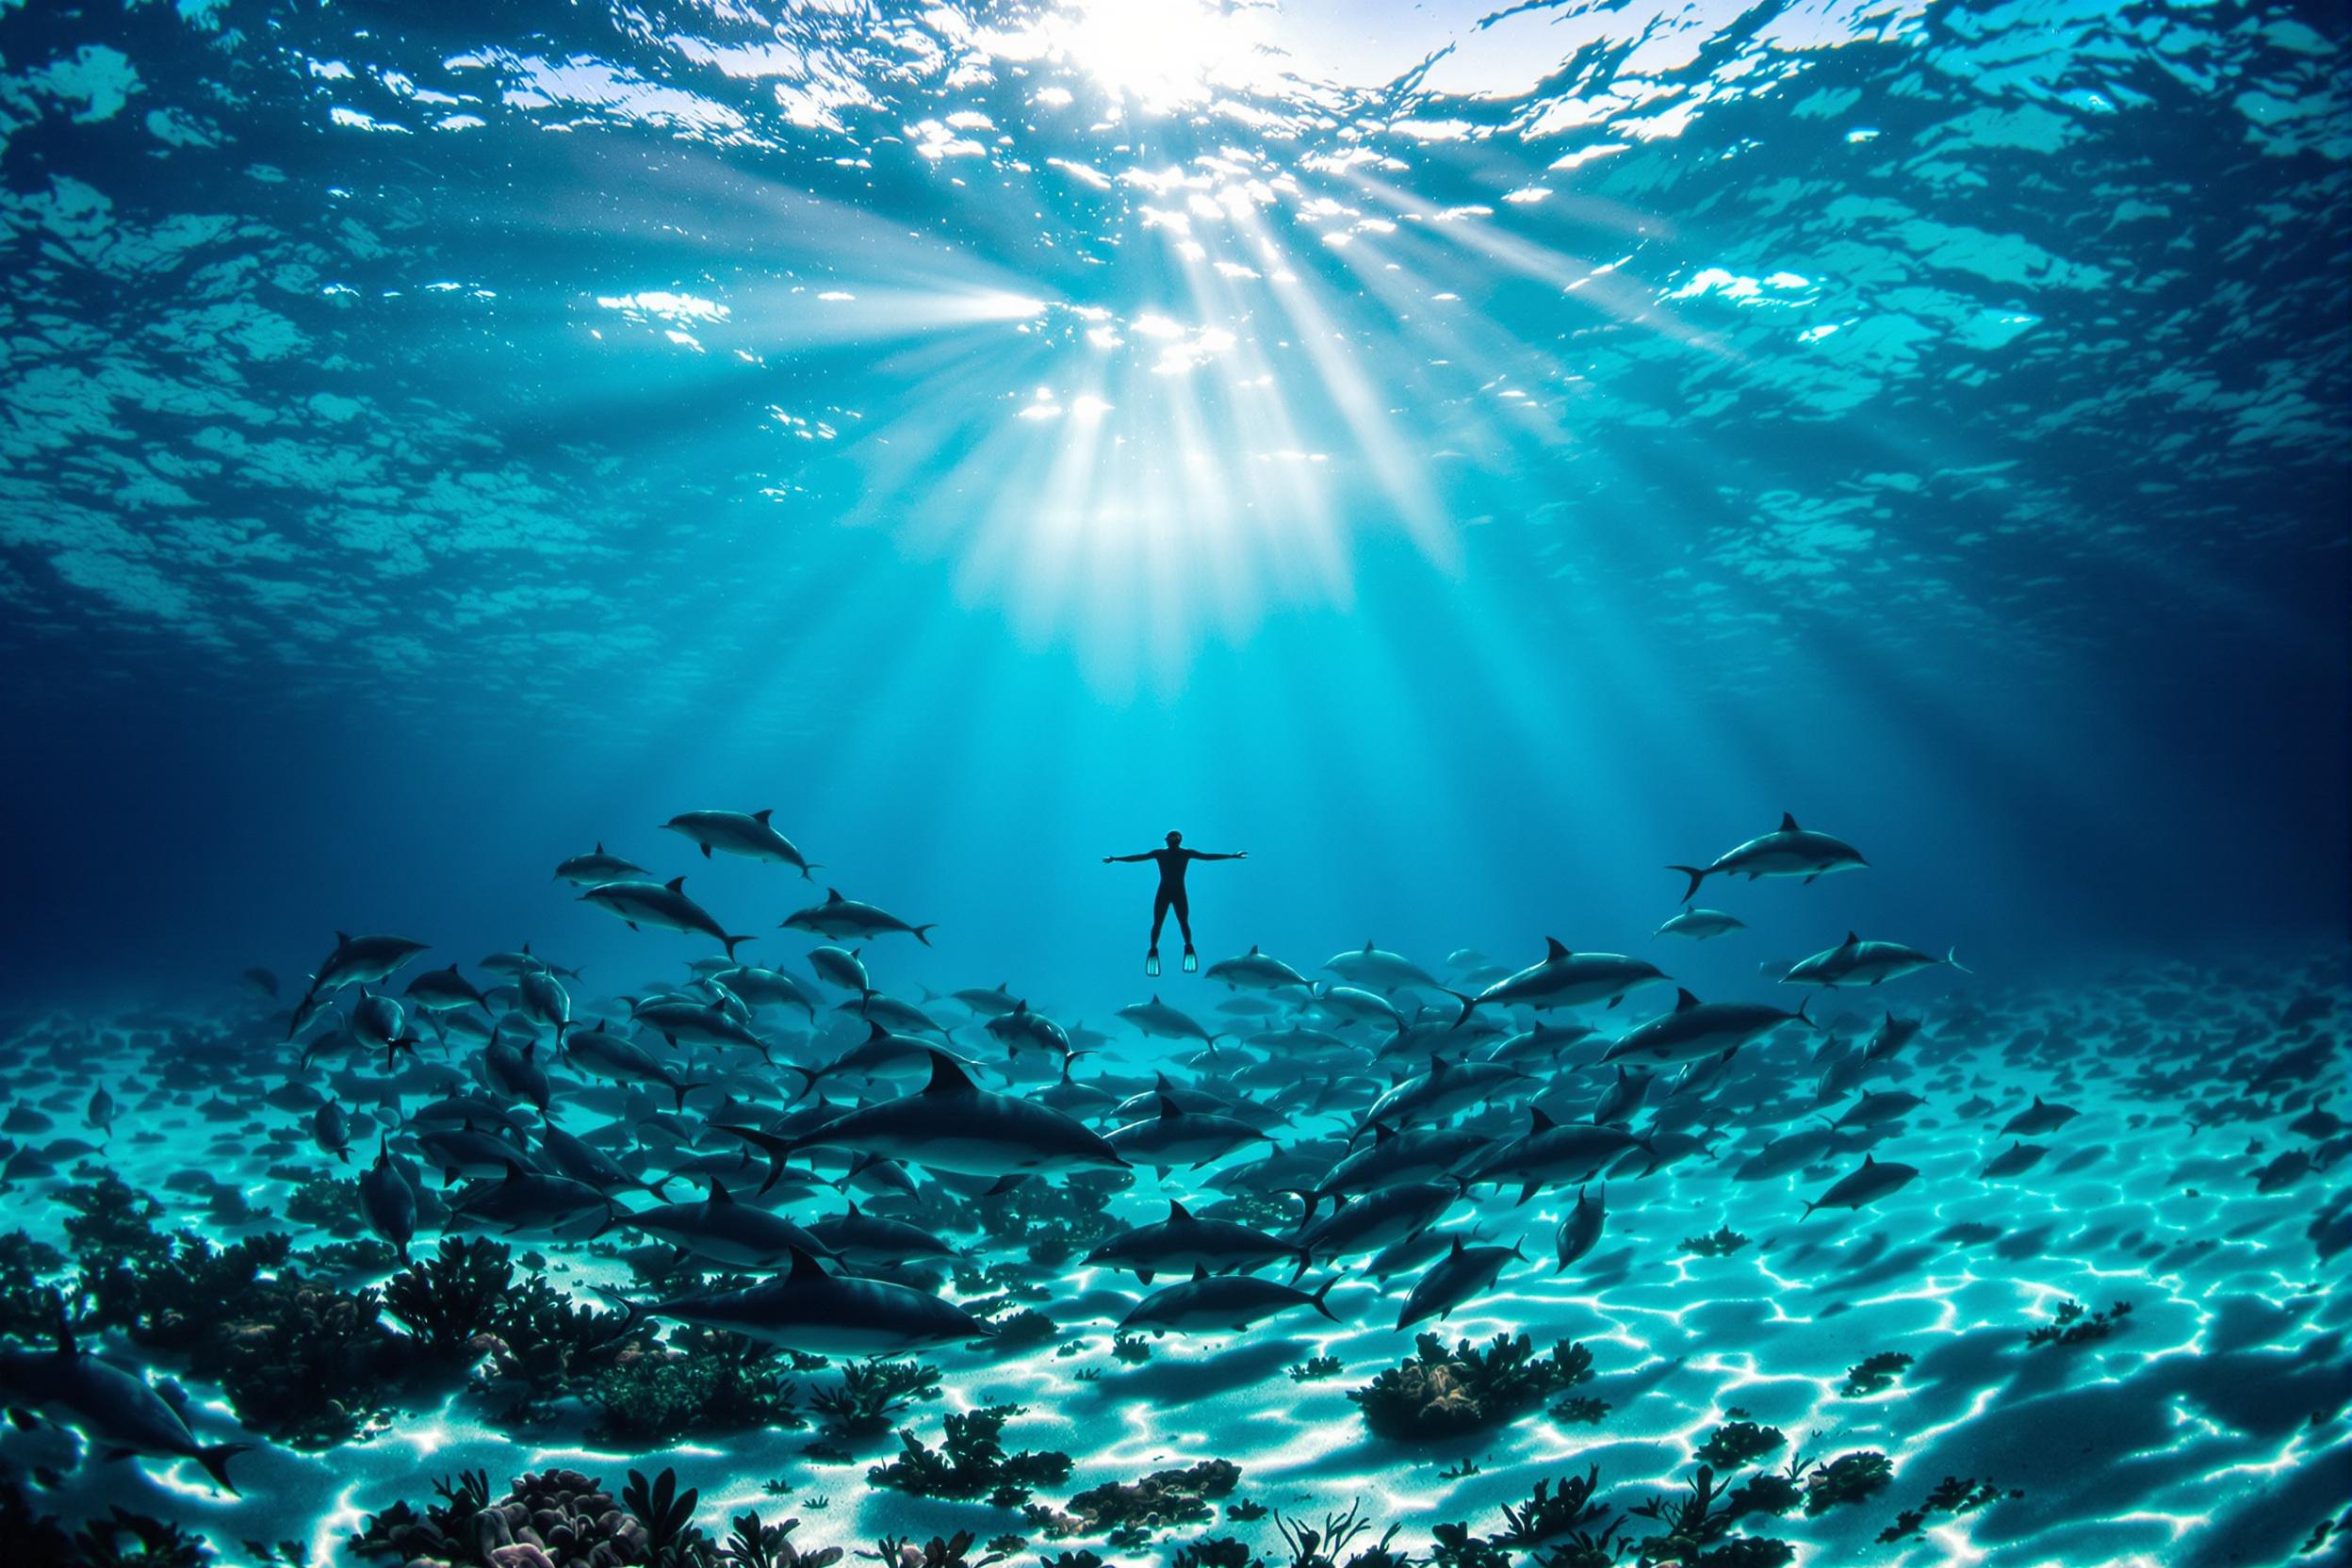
[706, 852]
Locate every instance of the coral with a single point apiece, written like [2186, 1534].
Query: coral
[1874, 1375]
[29, 1310]
[112, 1220]
[1719, 1243]
[1738, 1443]
[1314, 1369]
[872, 1392]
[1215, 1551]
[756, 1544]
[971, 1460]
[561, 1519]
[1159, 1501]
[451, 1297]
[330, 1203]
[722, 1383]
[540, 1337]
[303, 1362]
[2074, 1325]
[121, 1540]
[1847, 1479]
[940, 1552]
[1442, 1393]
[1581, 1408]
[1051, 1222]
[1456, 1547]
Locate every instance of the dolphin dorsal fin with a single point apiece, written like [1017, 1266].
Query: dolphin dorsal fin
[1368, 944]
[1253, 949]
[1200, 1271]
[599, 846]
[833, 895]
[1169, 1107]
[342, 939]
[1789, 822]
[946, 1077]
[1852, 940]
[1553, 949]
[1869, 1159]
[806, 1267]
[1177, 1210]
[1019, 1008]
[873, 1030]
[1456, 1251]
[719, 1193]
[1538, 1121]
[854, 1212]
[676, 885]
[1381, 1132]
[761, 817]
[1683, 999]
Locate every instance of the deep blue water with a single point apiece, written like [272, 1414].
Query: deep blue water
[1470, 460]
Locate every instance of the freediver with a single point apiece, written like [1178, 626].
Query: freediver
[1173, 862]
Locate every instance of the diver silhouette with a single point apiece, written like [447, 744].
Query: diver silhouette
[1173, 862]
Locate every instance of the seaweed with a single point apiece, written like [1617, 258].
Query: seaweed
[1553, 1509]
[971, 1460]
[1951, 1496]
[661, 1506]
[872, 1392]
[1697, 1531]
[1215, 1551]
[1772, 1491]
[454, 1295]
[1314, 1370]
[1441, 1393]
[1874, 1375]
[2073, 1324]
[1132, 1348]
[1456, 1547]
[1314, 1548]
[1581, 1408]
[941, 1551]
[1719, 1243]
[544, 1339]
[1847, 1479]
[1738, 1443]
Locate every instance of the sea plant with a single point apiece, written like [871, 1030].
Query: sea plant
[1441, 1393]
[1553, 1509]
[717, 1382]
[1719, 1243]
[454, 1295]
[1313, 1368]
[1738, 1443]
[1320, 1548]
[2074, 1324]
[1696, 1529]
[1847, 1479]
[1874, 1375]
[872, 1392]
[971, 1460]
[1129, 1510]
[1951, 1496]
[941, 1551]
[1215, 1551]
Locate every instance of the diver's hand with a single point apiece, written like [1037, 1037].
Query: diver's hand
[1241, 854]
[1107, 859]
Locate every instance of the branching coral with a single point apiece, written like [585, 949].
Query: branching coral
[1874, 1375]
[971, 1462]
[872, 1392]
[451, 1297]
[2075, 1325]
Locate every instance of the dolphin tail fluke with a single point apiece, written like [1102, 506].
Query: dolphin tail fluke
[813, 1075]
[808, 867]
[1952, 956]
[1696, 874]
[919, 930]
[1317, 1298]
[680, 1090]
[729, 942]
[216, 1463]
[1467, 1003]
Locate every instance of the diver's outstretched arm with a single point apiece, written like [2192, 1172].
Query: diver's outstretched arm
[1108, 858]
[1238, 854]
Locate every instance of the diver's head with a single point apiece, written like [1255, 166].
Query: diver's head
[1174, 838]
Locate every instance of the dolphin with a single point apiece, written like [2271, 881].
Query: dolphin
[117, 1413]
[1453, 1279]
[1551, 1152]
[1257, 972]
[711, 1025]
[1699, 924]
[1180, 1241]
[839, 967]
[1566, 979]
[1875, 1110]
[1856, 962]
[1394, 1158]
[663, 905]
[534, 1201]
[386, 1202]
[1696, 1030]
[1377, 967]
[1021, 1027]
[2039, 1117]
[1376, 1219]
[1789, 851]
[442, 990]
[2015, 1160]
[362, 961]
[767, 987]
[1891, 1036]
[589, 871]
[1863, 1187]
[954, 1126]
[602, 1053]
[840, 918]
[808, 1310]
[740, 833]
[871, 1240]
[1156, 1019]
[1220, 1302]
[1177, 1137]
[988, 1004]
[721, 1231]
[1580, 1231]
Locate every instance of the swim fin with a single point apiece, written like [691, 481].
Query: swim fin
[1192, 961]
[1151, 964]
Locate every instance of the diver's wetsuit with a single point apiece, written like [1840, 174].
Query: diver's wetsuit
[1172, 862]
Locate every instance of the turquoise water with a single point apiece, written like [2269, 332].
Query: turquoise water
[1470, 461]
